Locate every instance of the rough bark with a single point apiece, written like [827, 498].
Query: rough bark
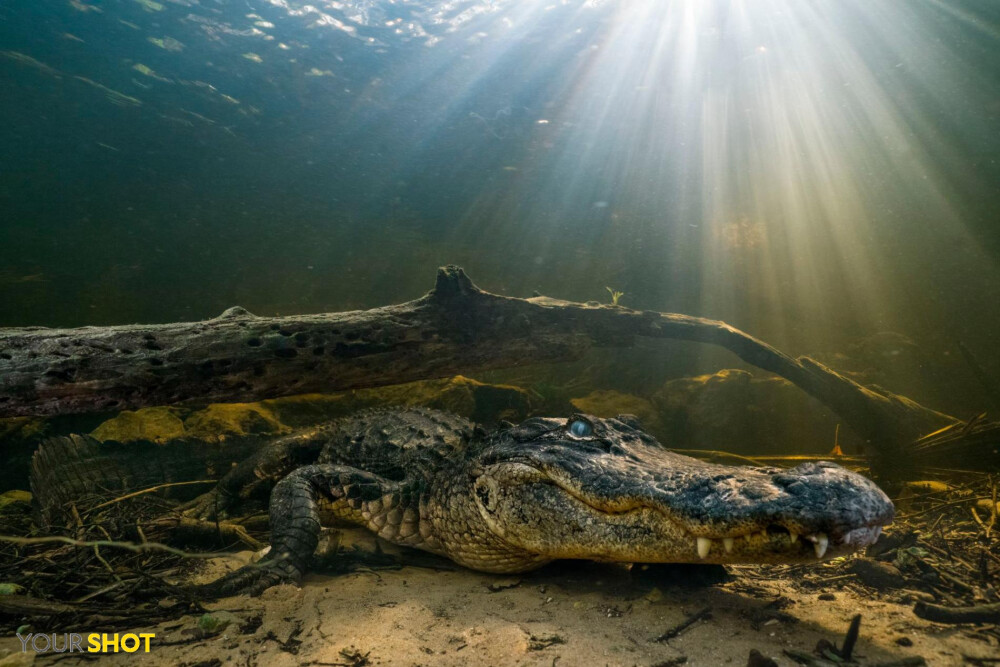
[455, 328]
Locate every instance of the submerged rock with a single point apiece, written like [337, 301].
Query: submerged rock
[735, 411]
[610, 403]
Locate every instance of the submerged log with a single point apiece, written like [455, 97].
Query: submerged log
[455, 328]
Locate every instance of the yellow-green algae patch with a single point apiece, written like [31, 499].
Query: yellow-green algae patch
[21, 428]
[221, 419]
[459, 395]
[157, 424]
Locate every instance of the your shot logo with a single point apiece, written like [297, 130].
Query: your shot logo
[93, 642]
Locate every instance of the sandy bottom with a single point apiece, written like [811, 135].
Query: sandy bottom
[566, 614]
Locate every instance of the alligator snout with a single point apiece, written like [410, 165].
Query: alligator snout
[815, 508]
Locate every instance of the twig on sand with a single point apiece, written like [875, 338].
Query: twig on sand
[983, 613]
[684, 625]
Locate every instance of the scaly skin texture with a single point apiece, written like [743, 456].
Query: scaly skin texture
[519, 497]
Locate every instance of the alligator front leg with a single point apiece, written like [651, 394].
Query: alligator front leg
[258, 474]
[294, 511]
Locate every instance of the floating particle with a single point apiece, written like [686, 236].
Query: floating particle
[84, 7]
[150, 5]
[147, 71]
[166, 43]
[114, 96]
[38, 65]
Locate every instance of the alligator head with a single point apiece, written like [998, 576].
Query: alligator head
[603, 489]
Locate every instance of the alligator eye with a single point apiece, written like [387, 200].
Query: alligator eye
[581, 429]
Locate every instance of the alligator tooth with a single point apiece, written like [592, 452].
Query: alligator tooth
[820, 544]
[704, 544]
[728, 543]
[793, 536]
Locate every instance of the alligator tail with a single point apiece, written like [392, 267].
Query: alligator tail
[80, 471]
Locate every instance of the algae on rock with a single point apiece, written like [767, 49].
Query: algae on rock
[218, 421]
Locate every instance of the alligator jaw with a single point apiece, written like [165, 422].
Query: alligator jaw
[775, 543]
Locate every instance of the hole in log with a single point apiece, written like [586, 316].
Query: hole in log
[155, 362]
[301, 337]
[148, 336]
[284, 332]
[352, 335]
[125, 350]
[150, 345]
[254, 342]
[275, 327]
[285, 353]
[318, 351]
[4, 355]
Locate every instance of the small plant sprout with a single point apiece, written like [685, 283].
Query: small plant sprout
[615, 295]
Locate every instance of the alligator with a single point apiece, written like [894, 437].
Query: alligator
[520, 496]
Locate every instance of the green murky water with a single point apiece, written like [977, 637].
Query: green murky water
[813, 173]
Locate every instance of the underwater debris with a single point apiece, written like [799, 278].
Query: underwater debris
[253, 57]
[705, 612]
[166, 43]
[150, 5]
[84, 7]
[933, 554]
[32, 62]
[115, 97]
[148, 71]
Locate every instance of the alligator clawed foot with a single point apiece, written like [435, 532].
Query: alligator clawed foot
[250, 580]
[209, 506]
